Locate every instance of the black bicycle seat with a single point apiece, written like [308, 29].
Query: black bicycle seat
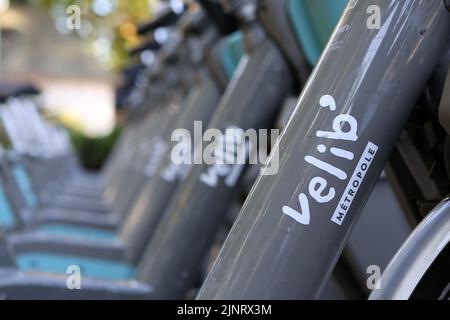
[149, 45]
[167, 18]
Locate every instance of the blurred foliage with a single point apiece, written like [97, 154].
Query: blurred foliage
[108, 26]
[109, 29]
[93, 151]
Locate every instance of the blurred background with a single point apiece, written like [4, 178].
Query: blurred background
[76, 70]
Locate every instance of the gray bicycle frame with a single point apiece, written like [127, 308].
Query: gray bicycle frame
[137, 230]
[197, 209]
[294, 225]
[199, 105]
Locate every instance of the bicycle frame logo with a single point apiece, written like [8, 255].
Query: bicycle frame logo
[226, 153]
[318, 185]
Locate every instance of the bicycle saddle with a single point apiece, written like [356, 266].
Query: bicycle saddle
[152, 45]
[167, 18]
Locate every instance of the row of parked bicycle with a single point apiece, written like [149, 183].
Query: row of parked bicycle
[355, 186]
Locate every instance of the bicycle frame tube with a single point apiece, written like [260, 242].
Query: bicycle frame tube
[197, 209]
[294, 225]
[143, 219]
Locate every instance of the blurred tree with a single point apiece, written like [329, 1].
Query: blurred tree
[108, 26]
[93, 151]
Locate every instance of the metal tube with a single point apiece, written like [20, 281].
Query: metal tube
[196, 211]
[149, 206]
[294, 225]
